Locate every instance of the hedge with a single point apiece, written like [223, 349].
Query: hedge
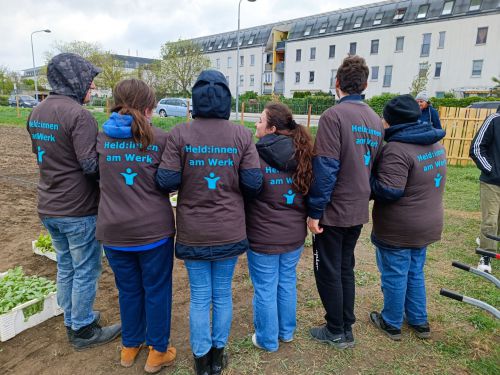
[4, 99]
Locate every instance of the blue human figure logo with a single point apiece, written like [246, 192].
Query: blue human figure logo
[40, 153]
[129, 176]
[367, 157]
[212, 181]
[290, 196]
[437, 180]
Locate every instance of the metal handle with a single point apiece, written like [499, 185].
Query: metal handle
[451, 294]
[487, 253]
[462, 266]
[492, 237]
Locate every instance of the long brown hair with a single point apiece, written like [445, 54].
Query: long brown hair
[133, 97]
[280, 116]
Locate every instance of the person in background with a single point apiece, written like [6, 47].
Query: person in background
[408, 185]
[428, 113]
[349, 139]
[135, 223]
[485, 151]
[63, 137]
[213, 163]
[276, 224]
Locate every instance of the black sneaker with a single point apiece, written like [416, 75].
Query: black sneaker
[322, 334]
[349, 338]
[378, 321]
[94, 335]
[422, 331]
[69, 331]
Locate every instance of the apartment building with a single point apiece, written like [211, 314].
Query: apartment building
[456, 41]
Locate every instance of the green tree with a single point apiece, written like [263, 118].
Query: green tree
[6, 82]
[181, 63]
[420, 81]
[496, 89]
[89, 51]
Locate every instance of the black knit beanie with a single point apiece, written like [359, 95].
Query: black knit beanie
[402, 109]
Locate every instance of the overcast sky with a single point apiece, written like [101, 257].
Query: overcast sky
[138, 26]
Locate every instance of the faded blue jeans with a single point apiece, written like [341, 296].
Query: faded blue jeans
[78, 266]
[403, 285]
[210, 284]
[275, 296]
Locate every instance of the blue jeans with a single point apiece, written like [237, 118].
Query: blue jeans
[403, 285]
[210, 284]
[275, 296]
[144, 282]
[78, 266]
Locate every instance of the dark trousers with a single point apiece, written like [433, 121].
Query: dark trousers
[144, 282]
[334, 273]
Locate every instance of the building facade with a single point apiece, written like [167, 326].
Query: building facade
[455, 42]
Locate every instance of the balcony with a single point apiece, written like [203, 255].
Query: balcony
[280, 67]
[268, 67]
[279, 87]
[280, 46]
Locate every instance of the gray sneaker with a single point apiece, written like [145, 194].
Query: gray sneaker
[322, 334]
[94, 335]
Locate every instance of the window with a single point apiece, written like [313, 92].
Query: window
[229, 43]
[211, 46]
[307, 31]
[252, 60]
[311, 76]
[437, 70]
[475, 5]
[423, 69]
[312, 54]
[442, 35]
[439, 94]
[240, 42]
[352, 48]
[297, 77]
[422, 11]
[298, 55]
[252, 80]
[482, 35]
[331, 51]
[242, 60]
[426, 45]
[340, 25]
[220, 44]
[268, 77]
[217, 63]
[477, 68]
[400, 42]
[227, 79]
[252, 37]
[374, 73]
[374, 47]
[357, 22]
[399, 15]
[447, 8]
[333, 78]
[323, 27]
[387, 75]
[229, 61]
[378, 19]
[242, 80]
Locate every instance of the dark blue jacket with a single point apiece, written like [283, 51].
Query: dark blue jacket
[419, 133]
[431, 116]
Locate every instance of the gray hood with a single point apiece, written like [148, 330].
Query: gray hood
[71, 75]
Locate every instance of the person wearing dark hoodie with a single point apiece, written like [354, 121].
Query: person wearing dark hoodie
[135, 223]
[408, 185]
[63, 137]
[213, 163]
[427, 112]
[276, 224]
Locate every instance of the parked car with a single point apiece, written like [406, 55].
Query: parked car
[488, 105]
[25, 101]
[175, 107]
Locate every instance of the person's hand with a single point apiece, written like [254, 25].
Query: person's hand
[313, 225]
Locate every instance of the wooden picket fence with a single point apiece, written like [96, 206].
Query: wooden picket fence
[461, 125]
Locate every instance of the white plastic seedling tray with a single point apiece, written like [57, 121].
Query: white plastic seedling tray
[49, 254]
[14, 322]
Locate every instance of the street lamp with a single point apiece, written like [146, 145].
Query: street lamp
[33, 56]
[238, 59]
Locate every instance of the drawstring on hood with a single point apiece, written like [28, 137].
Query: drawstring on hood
[211, 96]
[118, 126]
[278, 151]
[71, 75]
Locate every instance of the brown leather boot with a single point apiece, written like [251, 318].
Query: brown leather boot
[128, 355]
[157, 360]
